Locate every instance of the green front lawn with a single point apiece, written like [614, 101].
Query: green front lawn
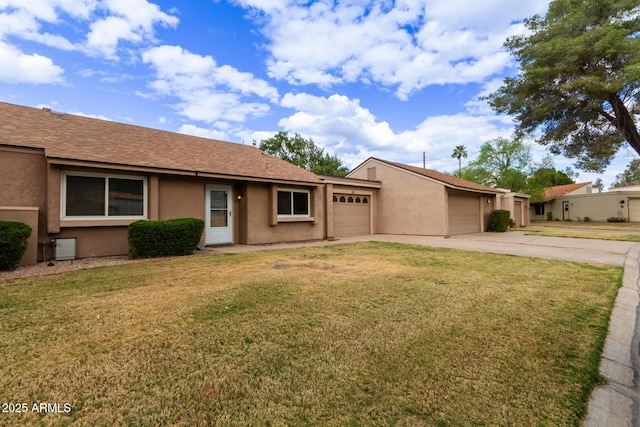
[359, 334]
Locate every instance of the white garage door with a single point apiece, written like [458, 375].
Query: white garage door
[464, 214]
[350, 215]
[634, 210]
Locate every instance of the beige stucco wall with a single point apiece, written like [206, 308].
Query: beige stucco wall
[596, 206]
[406, 203]
[23, 175]
[259, 204]
[508, 202]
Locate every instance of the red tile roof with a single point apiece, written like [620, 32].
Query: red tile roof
[449, 180]
[76, 138]
[551, 193]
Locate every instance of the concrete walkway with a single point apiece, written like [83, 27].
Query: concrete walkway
[615, 404]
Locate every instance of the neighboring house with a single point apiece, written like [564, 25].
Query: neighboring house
[83, 180]
[549, 208]
[413, 200]
[575, 202]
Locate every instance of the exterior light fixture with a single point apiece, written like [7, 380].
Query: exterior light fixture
[239, 196]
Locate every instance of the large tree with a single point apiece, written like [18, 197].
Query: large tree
[579, 79]
[501, 163]
[630, 176]
[303, 153]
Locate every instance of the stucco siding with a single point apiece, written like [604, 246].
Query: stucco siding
[597, 206]
[23, 174]
[259, 205]
[406, 203]
[97, 241]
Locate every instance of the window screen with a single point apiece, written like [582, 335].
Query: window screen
[300, 203]
[126, 197]
[85, 196]
[284, 203]
[103, 196]
[293, 202]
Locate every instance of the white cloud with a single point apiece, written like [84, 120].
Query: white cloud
[18, 67]
[92, 116]
[128, 20]
[352, 132]
[203, 132]
[407, 45]
[207, 92]
[108, 23]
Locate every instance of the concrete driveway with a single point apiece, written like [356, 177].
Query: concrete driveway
[617, 403]
[512, 242]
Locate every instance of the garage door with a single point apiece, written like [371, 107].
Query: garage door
[464, 214]
[350, 215]
[634, 210]
[517, 213]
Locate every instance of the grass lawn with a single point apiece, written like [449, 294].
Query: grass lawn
[585, 230]
[359, 334]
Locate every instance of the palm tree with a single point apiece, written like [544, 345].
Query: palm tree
[458, 153]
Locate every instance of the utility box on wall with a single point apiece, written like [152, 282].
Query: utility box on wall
[65, 249]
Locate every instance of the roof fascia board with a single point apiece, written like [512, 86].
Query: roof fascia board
[21, 149]
[101, 165]
[352, 182]
[77, 163]
[258, 179]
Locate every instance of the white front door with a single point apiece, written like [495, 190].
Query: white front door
[218, 215]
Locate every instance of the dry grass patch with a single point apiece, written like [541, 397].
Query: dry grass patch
[369, 333]
[590, 230]
[614, 226]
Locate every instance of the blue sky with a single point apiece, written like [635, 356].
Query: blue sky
[390, 79]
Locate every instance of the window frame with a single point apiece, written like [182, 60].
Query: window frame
[293, 215]
[106, 216]
[538, 209]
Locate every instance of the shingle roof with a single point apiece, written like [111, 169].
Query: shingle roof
[76, 138]
[550, 193]
[449, 180]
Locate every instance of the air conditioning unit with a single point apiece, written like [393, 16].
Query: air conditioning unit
[64, 249]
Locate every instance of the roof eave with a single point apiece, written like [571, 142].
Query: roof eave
[168, 171]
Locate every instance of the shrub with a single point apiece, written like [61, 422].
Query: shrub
[587, 219]
[499, 221]
[13, 243]
[164, 238]
[549, 216]
[616, 219]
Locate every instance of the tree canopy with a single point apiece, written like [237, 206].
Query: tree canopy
[303, 153]
[579, 83]
[630, 176]
[503, 163]
[500, 163]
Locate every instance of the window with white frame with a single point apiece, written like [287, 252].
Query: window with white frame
[94, 196]
[293, 202]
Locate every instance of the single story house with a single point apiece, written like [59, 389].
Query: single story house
[575, 202]
[413, 200]
[84, 180]
[549, 208]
